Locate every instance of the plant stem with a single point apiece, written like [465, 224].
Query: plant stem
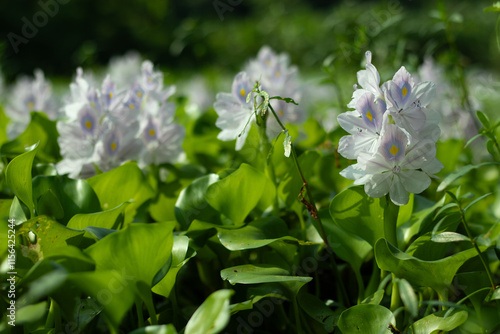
[267, 147]
[140, 319]
[343, 291]
[469, 234]
[391, 221]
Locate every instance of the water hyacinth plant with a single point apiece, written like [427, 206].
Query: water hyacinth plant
[241, 200]
[393, 135]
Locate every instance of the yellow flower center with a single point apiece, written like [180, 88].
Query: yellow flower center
[404, 91]
[152, 132]
[394, 150]
[243, 92]
[139, 94]
[277, 74]
[88, 125]
[131, 106]
[31, 105]
[281, 112]
[113, 146]
[150, 79]
[110, 95]
[369, 116]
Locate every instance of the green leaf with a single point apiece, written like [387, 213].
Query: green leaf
[139, 250]
[435, 274]
[490, 146]
[461, 172]
[237, 194]
[289, 187]
[41, 130]
[50, 235]
[122, 184]
[212, 316]
[253, 274]
[437, 322]
[110, 288]
[192, 204]
[449, 237]
[258, 233]
[317, 310]
[31, 313]
[286, 99]
[408, 296]
[494, 8]
[18, 177]
[62, 197]
[366, 319]
[132, 256]
[346, 245]
[109, 219]
[156, 329]
[180, 257]
[375, 298]
[483, 118]
[359, 214]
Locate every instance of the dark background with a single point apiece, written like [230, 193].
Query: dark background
[188, 36]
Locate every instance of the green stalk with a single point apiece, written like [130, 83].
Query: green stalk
[485, 265]
[390, 232]
[391, 221]
[267, 147]
[140, 319]
[343, 291]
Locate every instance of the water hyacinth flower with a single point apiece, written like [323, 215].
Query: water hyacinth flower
[29, 94]
[392, 135]
[235, 114]
[406, 100]
[277, 78]
[104, 128]
[161, 137]
[395, 168]
[365, 124]
[369, 81]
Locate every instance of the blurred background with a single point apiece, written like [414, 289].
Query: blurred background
[201, 45]
[196, 36]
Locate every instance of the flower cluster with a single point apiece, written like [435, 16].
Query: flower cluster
[393, 135]
[29, 95]
[104, 127]
[277, 78]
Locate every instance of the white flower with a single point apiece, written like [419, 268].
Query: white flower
[395, 168]
[365, 124]
[117, 145]
[29, 95]
[77, 140]
[125, 69]
[162, 139]
[278, 78]
[235, 115]
[406, 101]
[369, 80]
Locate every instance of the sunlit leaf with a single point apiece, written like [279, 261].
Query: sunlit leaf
[192, 204]
[18, 176]
[122, 184]
[212, 316]
[366, 319]
[435, 274]
[437, 322]
[237, 194]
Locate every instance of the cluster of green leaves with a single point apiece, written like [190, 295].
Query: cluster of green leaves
[201, 252]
